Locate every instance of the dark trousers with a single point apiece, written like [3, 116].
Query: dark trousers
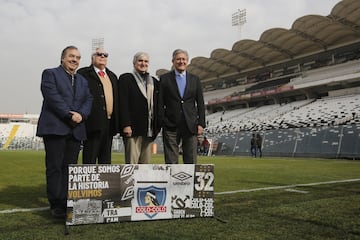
[60, 151]
[98, 146]
[172, 141]
[253, 151]
[260, 151]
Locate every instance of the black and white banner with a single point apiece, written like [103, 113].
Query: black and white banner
[126, 192]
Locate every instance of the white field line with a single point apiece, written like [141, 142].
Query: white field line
[16, 210]
[287, 186]
[296, 191]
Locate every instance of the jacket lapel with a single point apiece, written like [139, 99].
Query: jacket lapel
[69, 82]
[174, 85]
[187, 86]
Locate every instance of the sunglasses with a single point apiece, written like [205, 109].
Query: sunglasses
[102, 54]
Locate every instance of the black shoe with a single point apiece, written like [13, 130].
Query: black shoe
[58, 213]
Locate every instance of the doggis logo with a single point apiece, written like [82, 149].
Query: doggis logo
[151, 201]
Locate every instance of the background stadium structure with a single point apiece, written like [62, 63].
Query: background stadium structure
[97, 43]
[299, 88]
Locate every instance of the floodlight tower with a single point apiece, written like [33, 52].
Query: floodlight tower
[238, 19]
[97, 43]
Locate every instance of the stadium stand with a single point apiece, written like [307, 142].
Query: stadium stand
[16, 136]
[344, 70]
[306, 113]
[299, 88]
[5, 130]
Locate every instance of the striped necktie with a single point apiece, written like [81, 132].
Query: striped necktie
[101, 73]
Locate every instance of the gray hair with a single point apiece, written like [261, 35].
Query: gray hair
[94, 53]
[139, 55]
[177, 51]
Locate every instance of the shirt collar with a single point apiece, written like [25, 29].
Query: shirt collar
[180, 74]
[97, 70]
[69, 73]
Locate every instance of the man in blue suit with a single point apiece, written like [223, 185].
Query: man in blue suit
[181, 110]
[66, 104]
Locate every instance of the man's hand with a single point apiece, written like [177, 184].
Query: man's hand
[76, 117]
[200, 130]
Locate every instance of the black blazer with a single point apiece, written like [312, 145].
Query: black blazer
[133, 106]
[98, 116]
[172, 105]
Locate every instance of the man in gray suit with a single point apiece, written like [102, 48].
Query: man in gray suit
[181, 110]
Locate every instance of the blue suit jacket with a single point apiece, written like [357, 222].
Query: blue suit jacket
[59, 99]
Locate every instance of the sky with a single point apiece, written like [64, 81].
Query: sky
[34, 32]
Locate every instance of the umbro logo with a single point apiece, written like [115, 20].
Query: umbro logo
[182, 176]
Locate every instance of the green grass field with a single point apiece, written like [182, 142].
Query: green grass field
[246, 199]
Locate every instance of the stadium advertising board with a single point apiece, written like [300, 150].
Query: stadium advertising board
[129, 192]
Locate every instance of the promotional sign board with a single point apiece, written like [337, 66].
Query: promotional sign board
[129, 192]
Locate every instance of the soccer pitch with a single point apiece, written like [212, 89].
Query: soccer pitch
[256, 198]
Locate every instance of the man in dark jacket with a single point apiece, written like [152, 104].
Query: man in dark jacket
[259, 144]
[138, 97]
[253, 145]
[102, 123]
[182, 110]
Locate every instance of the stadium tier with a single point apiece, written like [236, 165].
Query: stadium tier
[299, 88]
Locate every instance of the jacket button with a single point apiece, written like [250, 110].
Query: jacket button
[182, 101]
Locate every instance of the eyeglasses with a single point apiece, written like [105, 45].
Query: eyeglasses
[102, 54]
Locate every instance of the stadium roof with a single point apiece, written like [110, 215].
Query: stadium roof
[309, 34]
